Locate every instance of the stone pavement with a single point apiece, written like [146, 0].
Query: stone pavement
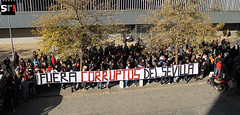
[195, 98]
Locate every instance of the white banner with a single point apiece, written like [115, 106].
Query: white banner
[116, 75]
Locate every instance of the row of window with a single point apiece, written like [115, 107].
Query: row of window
[43, 5]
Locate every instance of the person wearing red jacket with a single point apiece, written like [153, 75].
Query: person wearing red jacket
[52, 59]
[218, 68]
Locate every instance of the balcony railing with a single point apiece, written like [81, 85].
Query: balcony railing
[205, 5]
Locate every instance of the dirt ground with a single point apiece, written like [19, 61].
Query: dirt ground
[24, 50]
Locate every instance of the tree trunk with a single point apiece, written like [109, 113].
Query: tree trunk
[81, 60]
[176, 53]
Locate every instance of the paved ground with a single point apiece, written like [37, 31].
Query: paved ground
[195, 98]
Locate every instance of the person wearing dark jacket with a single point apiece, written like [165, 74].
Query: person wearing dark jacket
[16, 59]
[7, 62]
[22, 62]
[203, 69]
[232, 86]
[24, 89]
[74, 68]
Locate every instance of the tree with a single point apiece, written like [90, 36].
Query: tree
[180, 24]
[72, 25]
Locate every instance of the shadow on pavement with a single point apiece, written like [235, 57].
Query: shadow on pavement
[226, 105]
[41, 104]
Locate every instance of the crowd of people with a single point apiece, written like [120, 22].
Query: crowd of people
[222, 59]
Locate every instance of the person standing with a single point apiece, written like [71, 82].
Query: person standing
[35, 62]
[24, 88]
[232, 86]
[22, 62]
[52, 59]
[218, 68]
[126, 81]
[175, 78]
[74, 68]
[203, 68]
[7, 62]
[16, 59]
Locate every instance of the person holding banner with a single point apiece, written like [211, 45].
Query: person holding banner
[74, 68]
[107, 83]
[126, 81]
[148, 81]
[163, 79]
[175, 79]
[92, 84]
[185, 78]
[84, 83]
[62, 85]
[101, 68]
[136, 81]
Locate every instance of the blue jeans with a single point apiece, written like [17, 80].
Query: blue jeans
[126, 83]
[84, 85]
[163, 79]
[175, 79]
[223, 75]
[74, 86]
[185, 78]
[136, 81]
[62, 86]
[107, 83]
[99, 85]
[148, 81]
[218, 71]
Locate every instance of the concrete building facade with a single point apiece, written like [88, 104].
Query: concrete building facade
[220, 11]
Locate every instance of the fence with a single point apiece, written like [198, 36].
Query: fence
[205, 5]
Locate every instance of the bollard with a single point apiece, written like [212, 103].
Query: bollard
[121, 84]
[141, 83]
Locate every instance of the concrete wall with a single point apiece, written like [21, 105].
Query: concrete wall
[21, 23]
[16, 32]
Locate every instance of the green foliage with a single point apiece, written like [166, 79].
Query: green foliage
[178, 26]
[72, 28]
[238, 32]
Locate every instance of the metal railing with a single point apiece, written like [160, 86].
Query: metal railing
[205, 5]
